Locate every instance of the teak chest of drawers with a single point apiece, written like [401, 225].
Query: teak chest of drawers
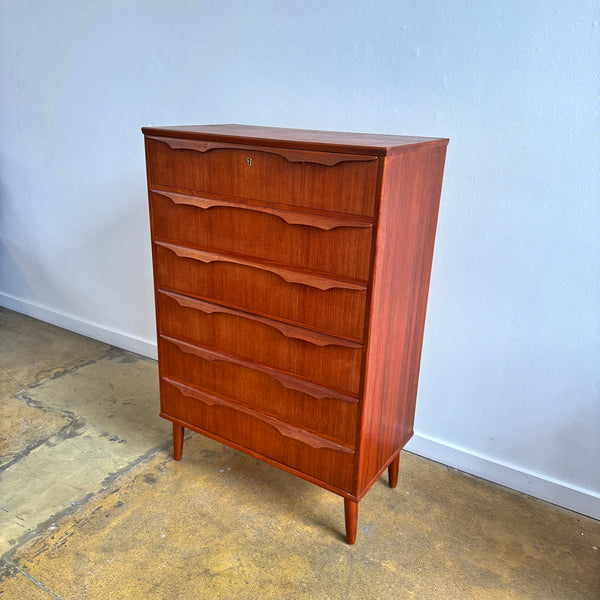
[291, 274]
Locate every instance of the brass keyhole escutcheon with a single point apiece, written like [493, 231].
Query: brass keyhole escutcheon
[249, 162]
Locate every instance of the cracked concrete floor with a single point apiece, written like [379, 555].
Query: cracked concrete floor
[92, 506]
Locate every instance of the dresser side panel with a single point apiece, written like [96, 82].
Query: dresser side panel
[404, 250]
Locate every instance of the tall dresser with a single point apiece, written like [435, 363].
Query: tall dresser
[291, 274]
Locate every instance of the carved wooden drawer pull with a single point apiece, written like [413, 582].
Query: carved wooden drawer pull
[324, 222]
[285, 429]
[288, 381]
[311, 279]
[289, 331]
[329, 159]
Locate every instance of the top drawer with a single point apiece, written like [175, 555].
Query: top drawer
[344, 183]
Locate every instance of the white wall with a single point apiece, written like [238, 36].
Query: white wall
[510, 379]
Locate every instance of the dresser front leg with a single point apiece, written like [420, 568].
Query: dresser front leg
[393, 471]
[351, 516]
[178, 431]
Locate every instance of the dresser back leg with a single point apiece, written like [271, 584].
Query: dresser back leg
[393, 471]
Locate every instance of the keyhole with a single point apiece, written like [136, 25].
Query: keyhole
[249, 162]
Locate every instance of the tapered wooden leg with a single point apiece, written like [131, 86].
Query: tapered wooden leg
[393, 471]
[178, 431]
[351, 516]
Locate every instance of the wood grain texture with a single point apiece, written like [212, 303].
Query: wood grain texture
[285, 379]
[324, 359]
[405, 242]
[332, 465]
[320, 221]
[289, 331]
[312, 279]
[332, 414]
[336, 311]
[291, 154]
[283, 427]
[291, 276]
[315, 242]
[324, 141]
[348, 187]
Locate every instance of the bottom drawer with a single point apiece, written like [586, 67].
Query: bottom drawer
[277, 440]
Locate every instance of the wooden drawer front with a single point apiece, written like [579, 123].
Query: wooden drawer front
[343, 183]
[333, 245]
[274, 439]
[334, 306]
[321, 358]
[308, 405]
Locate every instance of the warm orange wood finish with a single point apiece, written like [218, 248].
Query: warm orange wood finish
[321, 245]
[351, 518]
[273, 392]
[259, 174]
[282, 442]
[292, 270]
[393, 471]
[267, 289]
[321, 358]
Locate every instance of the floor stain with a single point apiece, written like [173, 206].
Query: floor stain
[93, 506]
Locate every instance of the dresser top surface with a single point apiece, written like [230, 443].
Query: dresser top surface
[328, 141]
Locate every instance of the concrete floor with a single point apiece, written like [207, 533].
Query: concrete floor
[92, 505]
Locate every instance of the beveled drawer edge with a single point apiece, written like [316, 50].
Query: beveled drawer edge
[291, 217]
[261, 203]
[289, 331]
[287, 380]
[285, 429]
[289, 275]
[328, 159]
